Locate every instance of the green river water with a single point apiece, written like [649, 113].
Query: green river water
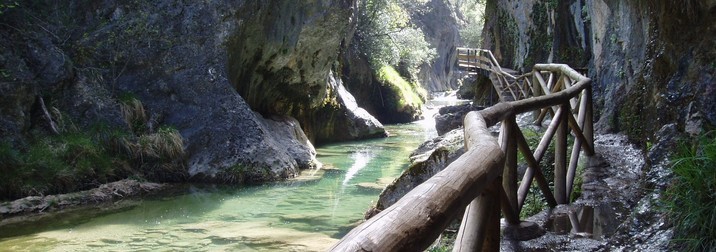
[308, 213]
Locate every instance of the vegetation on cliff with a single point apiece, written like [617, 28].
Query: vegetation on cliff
[77, 159]
[395, 49]
[410, 94]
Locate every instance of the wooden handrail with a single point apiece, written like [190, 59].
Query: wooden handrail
[417, 219]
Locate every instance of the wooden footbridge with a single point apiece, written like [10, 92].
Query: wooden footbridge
[483, 182]
[509, 85]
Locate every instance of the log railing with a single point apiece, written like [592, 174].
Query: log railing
[484, 180]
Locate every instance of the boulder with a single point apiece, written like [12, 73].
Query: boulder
[429, 159]
[451, 117]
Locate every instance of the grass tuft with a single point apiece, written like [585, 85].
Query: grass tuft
[132, 111]
[691, 199]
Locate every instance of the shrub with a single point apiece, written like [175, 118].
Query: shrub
[691, 200]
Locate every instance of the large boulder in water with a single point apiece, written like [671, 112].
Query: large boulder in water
[451, 117]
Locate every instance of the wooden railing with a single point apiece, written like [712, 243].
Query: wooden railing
[484, 181]
[480, 60]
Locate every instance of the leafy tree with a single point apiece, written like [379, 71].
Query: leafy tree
[386, 36]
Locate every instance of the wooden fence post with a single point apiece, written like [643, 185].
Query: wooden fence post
[477, 230]
[560, 157]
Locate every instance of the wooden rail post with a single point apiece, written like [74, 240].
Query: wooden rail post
[477, 230]
[509, 147]
[560, 157]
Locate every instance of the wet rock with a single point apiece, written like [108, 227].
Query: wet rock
[360, 124]
[288, 134]
[185, 63]
[438, 21]
[281, 61]
[379, 98]
[106, 193]
[430, 158]
[523, 231]
[467, 88]
[451, 117]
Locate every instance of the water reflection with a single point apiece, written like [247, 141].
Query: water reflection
[305, 214]
[590, 221]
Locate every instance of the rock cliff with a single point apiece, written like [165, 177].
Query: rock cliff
[651, 61]
[188, 64]
[437, 19]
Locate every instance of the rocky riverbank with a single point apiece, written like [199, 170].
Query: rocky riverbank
[107, 196]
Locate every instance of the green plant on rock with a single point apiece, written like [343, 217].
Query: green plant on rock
[691, 200]
[67, 162]
[410, 94]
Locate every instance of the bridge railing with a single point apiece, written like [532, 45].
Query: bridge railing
[484, 181]
[476, 60]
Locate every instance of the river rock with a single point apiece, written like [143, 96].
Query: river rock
[124, 189]
[451, 117]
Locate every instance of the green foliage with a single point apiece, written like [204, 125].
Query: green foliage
[691, 199]
[410, 94]
[472, 15]
[387, 37]
[445, 243]
[67, 162]
[79, 159]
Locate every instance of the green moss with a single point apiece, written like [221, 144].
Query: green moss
[508, 35]
[691, 200]
[541, 41]
[410, 95]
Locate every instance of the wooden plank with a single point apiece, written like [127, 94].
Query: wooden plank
[588, 148]
[561, 68]
[471, 235]
[417, 219]
[548, 134]
[511, 216]
[497, 112]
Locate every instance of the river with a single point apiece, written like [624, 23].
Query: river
[308, 213]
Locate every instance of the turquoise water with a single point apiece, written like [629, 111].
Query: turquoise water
[308, 213]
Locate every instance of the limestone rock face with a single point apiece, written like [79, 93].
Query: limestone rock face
[437, 20]
[189, 63]
[281, 57]
[651, 62]
[378, 98]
